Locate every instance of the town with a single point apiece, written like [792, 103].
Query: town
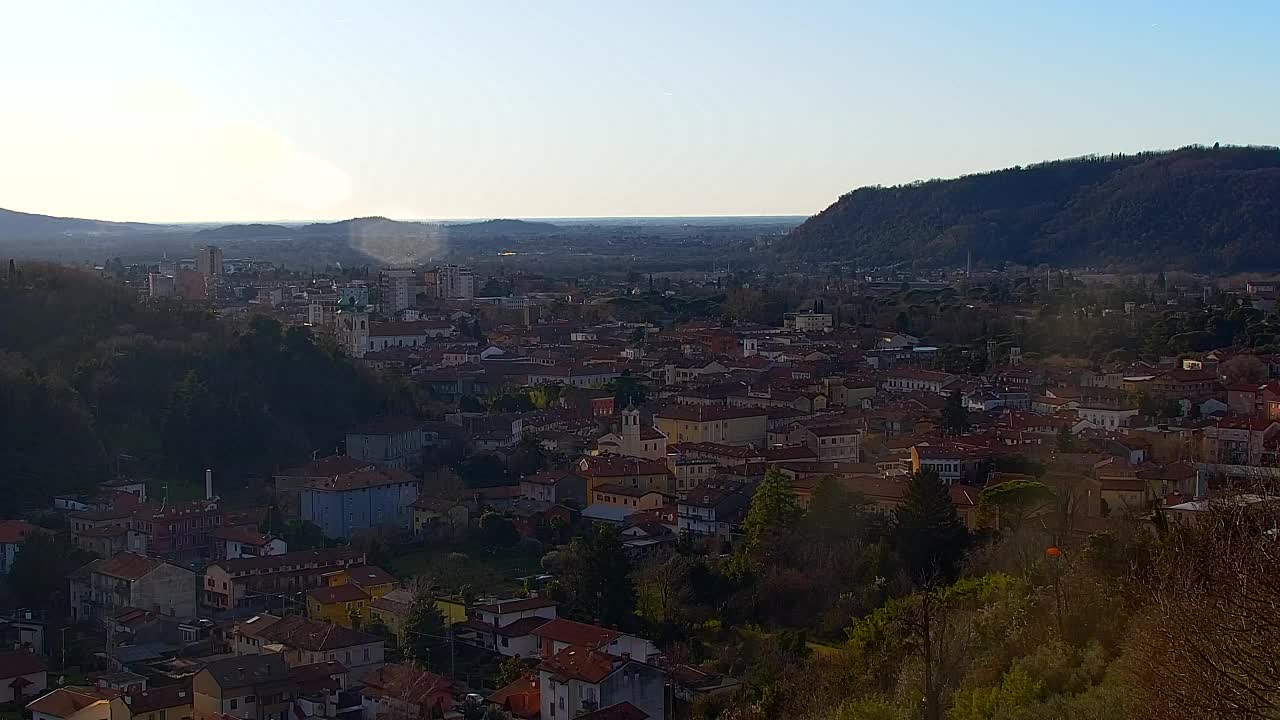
[595, 474]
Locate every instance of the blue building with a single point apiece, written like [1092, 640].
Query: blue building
[373, 498]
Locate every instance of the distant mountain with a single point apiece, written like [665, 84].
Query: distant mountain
[1208, 209]
[15, 224]
[378, 227]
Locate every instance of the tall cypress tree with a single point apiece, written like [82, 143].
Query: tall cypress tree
[931, 538]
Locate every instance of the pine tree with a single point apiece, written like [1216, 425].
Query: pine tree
[774, 509]
[425, 631]
[955, 419]
[931, 538]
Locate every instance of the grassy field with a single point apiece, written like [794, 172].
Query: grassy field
[486, 571]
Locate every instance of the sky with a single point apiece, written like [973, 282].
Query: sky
[234, 111]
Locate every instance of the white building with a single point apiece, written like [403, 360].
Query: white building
[455, 281]
[399, 290]
[807, 321]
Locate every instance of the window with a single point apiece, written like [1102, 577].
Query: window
[234, 703]
[366, 654]
[250, 699]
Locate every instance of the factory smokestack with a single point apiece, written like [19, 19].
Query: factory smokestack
[208, 484]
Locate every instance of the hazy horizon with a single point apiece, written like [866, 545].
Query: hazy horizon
[179, 112]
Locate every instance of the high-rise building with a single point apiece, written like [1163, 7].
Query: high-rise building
[209, 260]
[455, 281]
[399, 290]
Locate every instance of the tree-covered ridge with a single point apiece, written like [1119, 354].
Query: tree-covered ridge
[1195, 208]
[89, 374]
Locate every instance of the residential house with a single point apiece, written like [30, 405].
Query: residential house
[170, 702]
[388, 443]
[702, 424]
[179, 532]
[23, 676]
[102, 532]
[711, 511]
[303, 641]
[231, 543]
[256, 687]
[578, 681]
[507, 626]
[555, 487]
[520, 699]
[346, 596]
[634, 498]
[636, 473]
[79, 702]
[363, 500]
[338, 604]
[439, 517]
[289, 483]
[13, 533]
[952, 462]
[255, 581]
[1236, 440]
[1106, 415]
[912, 380]
[560, 633]
[104, 586]
[831, 442]
[401, 691]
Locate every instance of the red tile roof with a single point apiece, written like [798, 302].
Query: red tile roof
[337, 594]
[577, 662]
[522, 698]
[576, 633]
[325, 467]
[66, 701]
[369, 575]
[15, 531]
[708, 413]
[362, 479]
[126, 566]
[18, 662]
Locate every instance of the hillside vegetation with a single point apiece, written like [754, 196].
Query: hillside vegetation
[1204, 209]
[87, 374]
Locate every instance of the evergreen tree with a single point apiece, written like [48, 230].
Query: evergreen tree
[596, 579]
[931, 539]
[425, 631]
[955, 418]
[774, 509]
[1065, 441]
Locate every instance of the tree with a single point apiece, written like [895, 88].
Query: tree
[955, 418]
[1244, 369]
[774, 510]
[1015, 500]
[931, 539]
[511, 670]
[425, 629]
[1214, 622]
[1065, 442]
[498, 530]
[40, 569]
[595, 578]
[627, 392]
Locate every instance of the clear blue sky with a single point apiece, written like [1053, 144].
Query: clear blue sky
[298, 110]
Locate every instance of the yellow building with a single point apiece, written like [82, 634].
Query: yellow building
[392, 610]
[347, 594]
[337, 604]
[702, 423]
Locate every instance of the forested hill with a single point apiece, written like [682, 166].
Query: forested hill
[1207, 209]
[88, 373]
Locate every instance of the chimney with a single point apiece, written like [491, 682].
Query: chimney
[208, 484]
